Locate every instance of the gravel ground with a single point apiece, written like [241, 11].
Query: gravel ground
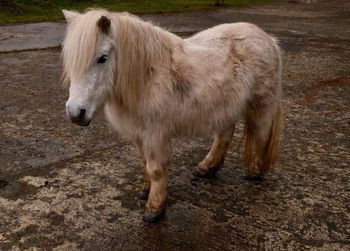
[64, 187]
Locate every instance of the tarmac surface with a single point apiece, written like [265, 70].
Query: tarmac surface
[64, 187]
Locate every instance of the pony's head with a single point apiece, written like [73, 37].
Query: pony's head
[88, 61]
[110, 57]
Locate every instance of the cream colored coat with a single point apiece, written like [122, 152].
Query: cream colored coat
[155, 86]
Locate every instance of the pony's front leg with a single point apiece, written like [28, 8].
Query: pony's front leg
[157, 159]
[143, 195]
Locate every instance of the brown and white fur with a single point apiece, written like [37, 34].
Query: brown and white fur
[154, 85]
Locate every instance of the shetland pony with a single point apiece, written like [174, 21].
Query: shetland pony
[154, 85]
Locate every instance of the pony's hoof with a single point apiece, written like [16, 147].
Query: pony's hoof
[154, 216]
[210, 174]
[143, 195]
[253, 177]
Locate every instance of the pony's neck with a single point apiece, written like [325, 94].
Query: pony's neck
[141, 48]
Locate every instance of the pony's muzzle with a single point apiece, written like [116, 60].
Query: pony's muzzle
[78, 117]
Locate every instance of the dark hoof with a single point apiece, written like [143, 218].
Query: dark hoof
[210, 174]
[253, 177]
[154, 216]
[143, 195]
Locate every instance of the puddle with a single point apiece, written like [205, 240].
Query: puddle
[3, 184]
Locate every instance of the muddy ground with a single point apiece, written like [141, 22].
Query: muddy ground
[63, 187]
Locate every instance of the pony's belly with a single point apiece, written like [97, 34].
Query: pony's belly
[202, 123]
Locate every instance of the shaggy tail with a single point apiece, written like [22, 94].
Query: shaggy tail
[261, 154]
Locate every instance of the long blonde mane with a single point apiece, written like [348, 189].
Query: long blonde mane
[140, 48]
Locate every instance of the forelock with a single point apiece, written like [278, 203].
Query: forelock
[80, 43]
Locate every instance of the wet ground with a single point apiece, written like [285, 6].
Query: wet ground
[64, 187]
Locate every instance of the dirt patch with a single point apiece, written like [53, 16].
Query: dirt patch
[311, 91]
[14, 189]
[340, 81]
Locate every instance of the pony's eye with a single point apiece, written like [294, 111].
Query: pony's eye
[102, 59]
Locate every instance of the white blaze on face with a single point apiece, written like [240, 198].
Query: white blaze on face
[81, 95]
[88, 93]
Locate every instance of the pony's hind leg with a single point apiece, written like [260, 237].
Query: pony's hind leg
[262, 131]
[215, 158]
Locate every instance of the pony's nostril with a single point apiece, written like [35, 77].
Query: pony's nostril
[80, 118]
[82, 114]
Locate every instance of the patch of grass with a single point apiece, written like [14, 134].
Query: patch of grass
[19, 11]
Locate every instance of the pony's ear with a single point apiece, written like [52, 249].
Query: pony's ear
[104, 23]
[70, 16]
